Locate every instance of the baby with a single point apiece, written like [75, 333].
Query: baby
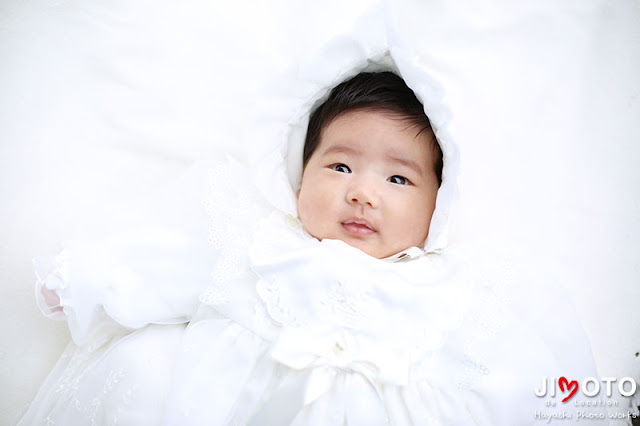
[314, 331]
[372, 167]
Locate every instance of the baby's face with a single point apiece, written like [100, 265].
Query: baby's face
[370, 183]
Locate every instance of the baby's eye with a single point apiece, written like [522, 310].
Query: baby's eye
[342, 168]
[400, 180]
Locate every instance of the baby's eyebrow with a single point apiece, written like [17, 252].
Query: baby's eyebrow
[407, 162]
[341, 148]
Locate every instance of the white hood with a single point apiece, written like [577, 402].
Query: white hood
[278, 160]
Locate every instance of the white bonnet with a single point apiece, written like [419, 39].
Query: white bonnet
[278, 161]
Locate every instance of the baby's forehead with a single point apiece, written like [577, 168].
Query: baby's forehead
[389, 123]
[362, 129]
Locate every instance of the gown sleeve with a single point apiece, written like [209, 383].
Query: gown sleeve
[149, 268]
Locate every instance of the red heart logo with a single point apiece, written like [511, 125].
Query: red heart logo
[569, 385]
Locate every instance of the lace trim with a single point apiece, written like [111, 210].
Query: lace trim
[90, 407]
[485, 321]
[233, 205]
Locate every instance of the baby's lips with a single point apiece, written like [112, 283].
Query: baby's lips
[358, 227]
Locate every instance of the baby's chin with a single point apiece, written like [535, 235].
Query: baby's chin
[373, 251]
[371, 244]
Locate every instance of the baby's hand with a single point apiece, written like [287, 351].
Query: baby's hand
[51, 298]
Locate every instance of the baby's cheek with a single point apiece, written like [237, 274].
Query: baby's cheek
[414, 226]
[305, 211]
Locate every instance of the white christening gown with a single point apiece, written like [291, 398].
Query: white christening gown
[264, 325]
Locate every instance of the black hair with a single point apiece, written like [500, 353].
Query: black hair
[374, 91]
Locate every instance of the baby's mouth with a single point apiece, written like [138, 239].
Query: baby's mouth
[359, 227]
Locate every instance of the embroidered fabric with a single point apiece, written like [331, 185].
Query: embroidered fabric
[114, 380]
[329, 285]
[234, 207]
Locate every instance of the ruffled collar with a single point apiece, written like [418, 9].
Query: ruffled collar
[407, 254]
[334, 305]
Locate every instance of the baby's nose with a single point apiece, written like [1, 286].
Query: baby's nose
[363, 193]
